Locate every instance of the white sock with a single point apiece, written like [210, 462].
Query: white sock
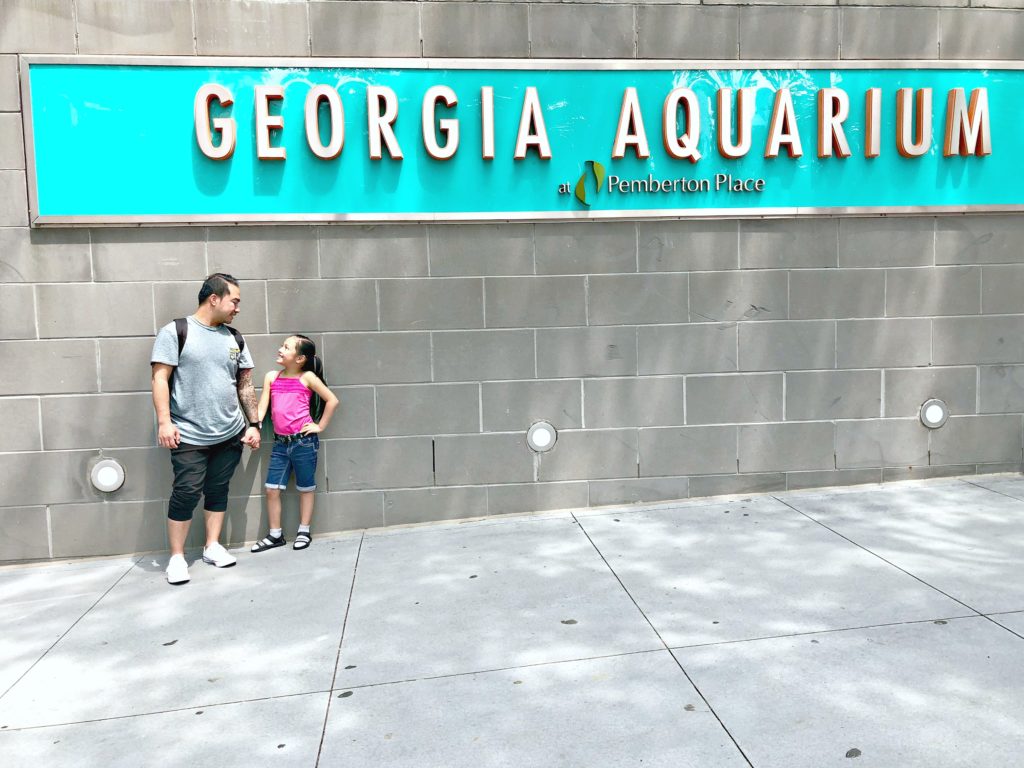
[275, 533]
[303, 529]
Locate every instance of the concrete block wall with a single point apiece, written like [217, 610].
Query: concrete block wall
[679, 358]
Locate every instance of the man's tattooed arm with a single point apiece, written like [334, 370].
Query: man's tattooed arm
[247, 395]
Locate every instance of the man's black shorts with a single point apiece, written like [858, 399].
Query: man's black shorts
[203, 471]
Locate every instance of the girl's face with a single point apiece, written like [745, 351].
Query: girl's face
[287, 355]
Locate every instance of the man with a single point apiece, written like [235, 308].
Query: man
[206, 411]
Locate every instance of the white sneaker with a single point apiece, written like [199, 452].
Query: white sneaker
[215, 554]
[177, 570]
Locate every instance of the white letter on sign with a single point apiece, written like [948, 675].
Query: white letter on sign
[913, 133]
[380, 121]
[630, 132]
[782, 129]
[532, 117]
[265, 122]
[744, 119]
[967, 127]
[833, 108]
[449, 127]
[316, 95]
[225, 126]
[681, 147]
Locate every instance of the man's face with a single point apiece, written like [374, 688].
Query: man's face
[226, 307]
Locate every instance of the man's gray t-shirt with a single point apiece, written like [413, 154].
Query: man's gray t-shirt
[204, 390]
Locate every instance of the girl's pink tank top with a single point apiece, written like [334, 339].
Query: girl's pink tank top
[289, 405]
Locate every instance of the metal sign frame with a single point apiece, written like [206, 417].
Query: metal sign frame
[25, 60]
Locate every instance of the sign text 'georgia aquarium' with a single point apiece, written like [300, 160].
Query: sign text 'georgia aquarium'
[200, 140]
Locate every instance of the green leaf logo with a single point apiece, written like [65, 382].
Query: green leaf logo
[592, 166]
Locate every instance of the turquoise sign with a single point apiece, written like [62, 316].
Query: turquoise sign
[201, 140]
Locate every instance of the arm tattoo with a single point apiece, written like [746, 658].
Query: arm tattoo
[247, 395]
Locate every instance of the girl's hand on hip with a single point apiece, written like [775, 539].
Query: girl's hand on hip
[311, 429]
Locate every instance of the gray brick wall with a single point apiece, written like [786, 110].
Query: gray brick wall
[676, 358]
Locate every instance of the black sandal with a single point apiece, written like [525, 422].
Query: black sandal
[268, 542]
[302, 540]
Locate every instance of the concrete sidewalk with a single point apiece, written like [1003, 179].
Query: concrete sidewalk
[875, 626]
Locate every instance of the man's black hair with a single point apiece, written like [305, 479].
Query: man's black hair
[216, 285]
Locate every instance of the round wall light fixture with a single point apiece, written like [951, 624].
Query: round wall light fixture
[541, 437]
[934, 413]
[107, 475]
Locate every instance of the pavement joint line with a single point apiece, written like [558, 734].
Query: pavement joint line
[73, 625]
[535, 664]
[827, 631]
[337, 658]
[889, 562]
[654, 629]
[365, 686]
[1008, 496]
[983, 615]
[159, 712]
[991, 490]
[904, 570]
[330, 691]
[554, 662]
[1003, 626]
[451, 526]
[659, 650]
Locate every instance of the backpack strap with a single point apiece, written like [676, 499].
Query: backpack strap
[238, 338]
[181, 328]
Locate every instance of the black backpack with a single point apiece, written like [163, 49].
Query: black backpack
[181, 328]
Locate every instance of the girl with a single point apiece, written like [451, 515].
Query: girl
[297, 396]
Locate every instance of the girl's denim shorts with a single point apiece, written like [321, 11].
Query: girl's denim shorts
[298, 455]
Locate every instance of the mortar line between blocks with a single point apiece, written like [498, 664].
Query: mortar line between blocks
[74, 16]
[419, 27]
[875, 554]
[49, 515]
[309, 30]
[35, 309]
[73, 625]
[319, 261]
[337, 658]
[266, 305]
[92, 257]
[977, 389]
[661, 640]
[426, 249]
[636, 34]
[529, 31]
